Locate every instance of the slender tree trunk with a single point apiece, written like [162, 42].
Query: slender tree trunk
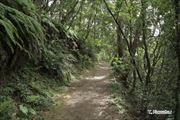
[146, 62]
[119, 39]
[177, 37]
[126, 41]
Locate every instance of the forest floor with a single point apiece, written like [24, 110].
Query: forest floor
[86, 99]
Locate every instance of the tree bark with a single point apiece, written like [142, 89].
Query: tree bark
[147, 61]
[119, 39]
[177, 37]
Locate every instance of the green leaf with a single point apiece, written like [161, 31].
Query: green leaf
[32, 111]
[23, 109]
[32, 98]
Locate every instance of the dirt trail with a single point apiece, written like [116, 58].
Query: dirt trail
[86, 99]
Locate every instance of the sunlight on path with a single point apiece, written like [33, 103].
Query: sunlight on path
[86, 99]
[97, 77]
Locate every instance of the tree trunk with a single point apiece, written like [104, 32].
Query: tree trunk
[119, 39]
[177, 37]
[147, 63]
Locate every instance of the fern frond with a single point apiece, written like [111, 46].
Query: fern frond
[23, 30]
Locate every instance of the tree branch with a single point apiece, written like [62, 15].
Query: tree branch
[126, 40]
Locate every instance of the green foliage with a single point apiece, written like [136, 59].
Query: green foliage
[119, 64]
[32, 85]
[23, 109]
[26, 111]
[18, 25]
[21, 36]
[26, 98]
[65, 36]
[25, 6]
[62, 51]
[142, 86]
[37, 56]
[7, 107]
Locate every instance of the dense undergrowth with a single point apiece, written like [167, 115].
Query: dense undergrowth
[37, 56]
[128, 95]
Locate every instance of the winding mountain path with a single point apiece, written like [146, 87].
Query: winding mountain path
[86, 99]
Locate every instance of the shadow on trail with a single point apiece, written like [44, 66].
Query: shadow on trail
[87, 99]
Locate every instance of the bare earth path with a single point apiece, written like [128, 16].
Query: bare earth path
[86, 99]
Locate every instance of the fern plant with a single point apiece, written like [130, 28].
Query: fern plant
[20, 35]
